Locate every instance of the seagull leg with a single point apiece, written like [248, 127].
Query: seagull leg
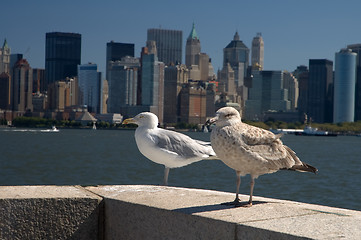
[251, 193]
[236, 202]
[166, 173]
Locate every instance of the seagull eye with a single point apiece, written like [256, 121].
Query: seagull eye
[228, 115]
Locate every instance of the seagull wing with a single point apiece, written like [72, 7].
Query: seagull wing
[265, 146]
[182, 145]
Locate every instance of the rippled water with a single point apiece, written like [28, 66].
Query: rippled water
[88, 157]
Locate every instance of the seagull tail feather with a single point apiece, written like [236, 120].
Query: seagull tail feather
[304, 168]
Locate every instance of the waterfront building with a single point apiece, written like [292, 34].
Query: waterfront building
[174, 78]
[356, 48]
[5, 91]
[193, 102]
[22, 87]
[122, 84]
[234, 72]
[257, 58]
[320, 91]
[116, 51]
[63, 95]
[290, 83]
[152, 84]
[236, 53]
[89, 80]
[62, 55]
[39, 85]
[5, 58]
[267, 94]
[301, 73]
[193, 48]
[168, 43]
[344, 86]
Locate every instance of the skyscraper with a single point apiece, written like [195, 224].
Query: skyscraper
[116, 51]
[5, 58]
[174, 78]
[193, 47]
[62, 55]
[169, 45]
[5, 91]
[22, 87]
[320, 91]
[344, 86]
[122, 83]
[356, 48]
[258, 52]
[89, 80]
[234, 53]
[152, 84]
[267, 93]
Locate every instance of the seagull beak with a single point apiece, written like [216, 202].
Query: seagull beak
[211, 121]
[128, 121]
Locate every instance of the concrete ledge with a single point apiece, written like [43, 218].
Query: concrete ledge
[157, 212]
[49, 212]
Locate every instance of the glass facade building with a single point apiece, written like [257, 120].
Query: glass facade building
[62, 55]
[116, 51]
[320, 91]
[89, 80]
[169, 45]
[344, 86]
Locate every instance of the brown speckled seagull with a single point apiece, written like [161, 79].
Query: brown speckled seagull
[250, 150]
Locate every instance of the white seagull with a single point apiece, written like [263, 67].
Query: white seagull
[250, 150]
[170, 148]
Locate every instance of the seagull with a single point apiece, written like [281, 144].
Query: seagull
[250, 150]
[170, 148]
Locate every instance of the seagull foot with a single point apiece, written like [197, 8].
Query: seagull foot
[249, 204]
[235, 203]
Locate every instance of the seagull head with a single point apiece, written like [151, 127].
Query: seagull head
[144, 119]
[225, 116]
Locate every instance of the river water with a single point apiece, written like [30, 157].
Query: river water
[102, 157]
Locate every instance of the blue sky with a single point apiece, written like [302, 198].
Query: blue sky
[293, 31]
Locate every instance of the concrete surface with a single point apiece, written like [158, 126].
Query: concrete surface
[157, 212]
[48, 212]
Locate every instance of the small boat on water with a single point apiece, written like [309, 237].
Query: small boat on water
[310, 131]
[53, 129]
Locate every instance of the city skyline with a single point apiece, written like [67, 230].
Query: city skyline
[292, 34]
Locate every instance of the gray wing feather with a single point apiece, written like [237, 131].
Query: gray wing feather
[182, 145]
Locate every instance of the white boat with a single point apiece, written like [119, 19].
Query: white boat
[53, 129]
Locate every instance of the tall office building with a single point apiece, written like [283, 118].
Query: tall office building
[169, 45]
[301, 73]
[152, 84]
[193, 47]
[344, 86]
[116, 51]
[62, 55]
[122, 84]
[236, 53]
[290, 83]
[5, 91]
[174, 78]
[257, 58]
[39, 85]
[356, 48]
[89, 80]
[5, 58]
[267, 94]
[22, 86]
[320, 91]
